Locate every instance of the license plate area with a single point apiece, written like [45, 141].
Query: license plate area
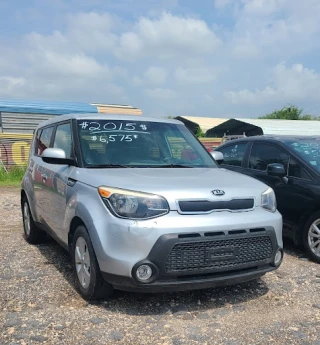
[222, 253]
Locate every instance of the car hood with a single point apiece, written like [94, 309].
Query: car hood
[176, 183]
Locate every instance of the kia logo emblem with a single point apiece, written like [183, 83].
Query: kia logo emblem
[218, 192]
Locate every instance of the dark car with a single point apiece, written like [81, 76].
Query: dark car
[291, 166]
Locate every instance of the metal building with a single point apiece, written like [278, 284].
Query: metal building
[251, 127]
[22, 116]
[205, 123]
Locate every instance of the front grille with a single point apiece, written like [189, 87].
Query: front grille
[216, 254]
[198, 206]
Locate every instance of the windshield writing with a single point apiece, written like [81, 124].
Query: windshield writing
[140, 144]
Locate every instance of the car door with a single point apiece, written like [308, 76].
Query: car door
[234, 154]
[303, 191]
[58, 189]
[287, 190]
[41, 174]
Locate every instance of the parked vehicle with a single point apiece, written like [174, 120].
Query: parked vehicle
[142, 206]
[291, 166]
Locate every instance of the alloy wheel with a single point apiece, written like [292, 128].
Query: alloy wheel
[314, 237]
[26, 219]
[82, 261]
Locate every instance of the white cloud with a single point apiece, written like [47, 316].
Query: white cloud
[168, 36]
[162, 94]
[222, 3]
[156, 75]
[171, 63]
[263, 7]
[195, 75]
[279, 28]
[137, 81]
[86, 32]
[76, 65]
[287, 84]
[10, 85]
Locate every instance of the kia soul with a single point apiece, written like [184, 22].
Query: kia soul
[141, 205]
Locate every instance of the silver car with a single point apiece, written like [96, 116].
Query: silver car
[142, 206]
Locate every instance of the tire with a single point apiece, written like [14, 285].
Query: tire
[311, 237]
[87, 273]
[32, 234]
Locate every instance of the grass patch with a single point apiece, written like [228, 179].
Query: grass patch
[13, 177]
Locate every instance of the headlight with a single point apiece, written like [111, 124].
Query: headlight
[133, 205]
[268, 200]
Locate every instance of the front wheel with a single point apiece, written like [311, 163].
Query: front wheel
[87, 272]
[311, 237]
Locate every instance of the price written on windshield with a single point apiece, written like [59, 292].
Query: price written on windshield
[96, 127]
[114, 137]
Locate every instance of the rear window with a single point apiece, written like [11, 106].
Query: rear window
[233, 153]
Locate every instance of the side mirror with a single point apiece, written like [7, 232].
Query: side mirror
[217, 156]
[56, 156]
[276, 170]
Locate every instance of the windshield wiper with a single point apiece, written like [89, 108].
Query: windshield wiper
[101, 166]
[174, 166]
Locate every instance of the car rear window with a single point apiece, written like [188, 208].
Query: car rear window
[234, 153]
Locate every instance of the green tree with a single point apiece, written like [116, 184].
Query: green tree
[200, 133]
[288, 113]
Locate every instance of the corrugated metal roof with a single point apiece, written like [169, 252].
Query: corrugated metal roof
[117, 109]
[44, 107]
[285, 127]
[205, 123]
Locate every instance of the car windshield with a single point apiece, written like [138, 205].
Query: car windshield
[140, 144]
[308, 150]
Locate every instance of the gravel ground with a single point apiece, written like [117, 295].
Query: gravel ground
[39, 304]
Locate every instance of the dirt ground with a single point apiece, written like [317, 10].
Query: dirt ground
[39, 303]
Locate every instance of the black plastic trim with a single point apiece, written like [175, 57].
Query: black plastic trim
[206, 205]
[194, 283]
[52, 234]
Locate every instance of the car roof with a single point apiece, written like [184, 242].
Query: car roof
[97, 116]
[279, 138]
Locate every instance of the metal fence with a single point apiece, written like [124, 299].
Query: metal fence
[20, 122]
[14, 149]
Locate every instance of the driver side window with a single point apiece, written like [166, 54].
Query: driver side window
[264, 154]
[296, 170]
[63, 139]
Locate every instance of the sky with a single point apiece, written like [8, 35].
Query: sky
[215, 58]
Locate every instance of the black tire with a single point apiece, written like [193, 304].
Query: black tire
[307, 242]
[32, 233]
[95, 287]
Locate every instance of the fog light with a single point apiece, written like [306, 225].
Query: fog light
[144, 272]
[278, 258]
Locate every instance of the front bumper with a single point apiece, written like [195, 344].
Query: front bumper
[183, 262]
[196, 283]
[120, 244]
